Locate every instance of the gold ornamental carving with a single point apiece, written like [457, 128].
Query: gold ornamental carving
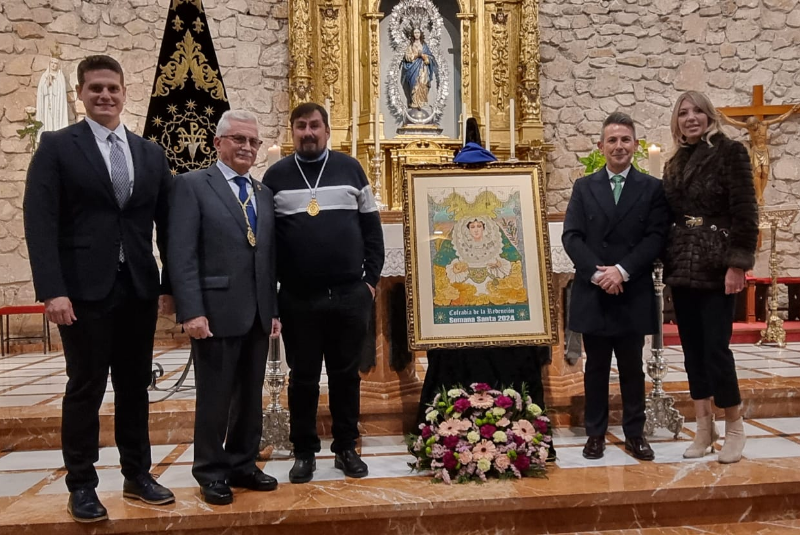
[466, 58]
[374, 52]
[187, 59]
[530, 63]
[302, 62]
[331, 51]
[499, 64]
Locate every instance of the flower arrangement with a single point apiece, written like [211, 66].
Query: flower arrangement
[470, 435]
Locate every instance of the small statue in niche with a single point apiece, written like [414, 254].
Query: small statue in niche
[418, 70]
[51, 99]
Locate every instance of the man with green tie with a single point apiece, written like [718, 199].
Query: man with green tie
[614, 229]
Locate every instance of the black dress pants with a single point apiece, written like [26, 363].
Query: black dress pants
[329, 323]
[114, 333]
[628, 350]
[705, 324]
[229, 374]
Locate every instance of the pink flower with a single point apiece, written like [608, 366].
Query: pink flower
[523, 462]
[449, 428]
[503, 422]
[540, 425]
[449, 460]
[487, 430]
[481, 400]
[451, 442]
[502, 462]
[427, 432]
[504, 402]
[481, 387]
[484, 450]
[524, 429]
[461, 405]
[465, 457]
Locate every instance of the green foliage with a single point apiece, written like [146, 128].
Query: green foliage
[595, 159]
[32, 127]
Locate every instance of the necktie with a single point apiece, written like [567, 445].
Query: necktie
[251, 211]
[120, 180]
[617, 180]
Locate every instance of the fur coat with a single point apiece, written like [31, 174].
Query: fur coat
[714, 182]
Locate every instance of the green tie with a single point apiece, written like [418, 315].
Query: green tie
[617, 180]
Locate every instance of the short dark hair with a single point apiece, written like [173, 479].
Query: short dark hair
[618, 117]
[307, 108]
[99, 63]
[483, 225]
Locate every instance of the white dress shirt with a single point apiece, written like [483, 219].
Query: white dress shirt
[230, 174]
[101, 138]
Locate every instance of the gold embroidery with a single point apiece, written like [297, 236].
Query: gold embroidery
[189, 58]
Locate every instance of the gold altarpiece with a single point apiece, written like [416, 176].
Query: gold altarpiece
[335, 48]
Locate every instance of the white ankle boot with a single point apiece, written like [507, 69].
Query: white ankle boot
[734, 442]
[704, 438]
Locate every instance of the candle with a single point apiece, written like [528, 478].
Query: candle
[377, 127]
[328, 111]
[488, 126]
[463, 124]
[513, 132]
[654, 159]
[354, 136]
[273, 154]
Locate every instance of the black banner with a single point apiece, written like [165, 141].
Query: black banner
[188, 95]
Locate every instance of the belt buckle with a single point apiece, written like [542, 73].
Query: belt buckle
[693, 221]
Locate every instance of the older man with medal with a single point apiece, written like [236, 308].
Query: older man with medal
[330, 256]
[223, 254]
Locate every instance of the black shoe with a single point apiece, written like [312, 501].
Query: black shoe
[303, 470]
[255, 480]
[85, 506]
[594, 447]
[639, 448]
[143, 487]
[351, 464]
[217, 493]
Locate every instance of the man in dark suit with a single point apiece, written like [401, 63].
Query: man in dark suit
[222, 260]
[615, 227]
[93, 191]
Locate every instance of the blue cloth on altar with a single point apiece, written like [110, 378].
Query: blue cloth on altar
[474, 153]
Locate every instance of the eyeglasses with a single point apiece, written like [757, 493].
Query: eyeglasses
[244, 140]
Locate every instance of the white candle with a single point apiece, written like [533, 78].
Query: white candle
[463, 124]
[328, 111]
[354, 137]
[377, 127]
[488, 126]
[273, 154]
[513, 130]
[654, 159]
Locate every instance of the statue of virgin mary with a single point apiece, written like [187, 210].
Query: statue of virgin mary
[51, 99]
[418, 70]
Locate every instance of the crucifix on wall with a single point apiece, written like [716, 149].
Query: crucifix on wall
[757, 127]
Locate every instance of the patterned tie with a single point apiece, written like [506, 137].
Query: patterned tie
[617, 180]
[120, 180]
[251, 211]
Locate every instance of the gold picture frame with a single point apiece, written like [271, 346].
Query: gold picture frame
[477, 254]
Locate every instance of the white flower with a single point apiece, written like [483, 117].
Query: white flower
[484, 465]
[432, 416]
[473, 437]
[498, 411]
[510, 392]
[499, 436]
[534, 409]
[454, 393]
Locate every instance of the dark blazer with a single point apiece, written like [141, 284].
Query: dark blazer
[599, 233]
[712, 181]
[73, 224]
[215, 271]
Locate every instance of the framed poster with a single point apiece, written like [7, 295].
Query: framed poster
[478, 270]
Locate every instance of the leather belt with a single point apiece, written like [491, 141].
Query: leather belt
[712, 222]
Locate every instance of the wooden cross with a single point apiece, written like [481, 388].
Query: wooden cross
[757, 108]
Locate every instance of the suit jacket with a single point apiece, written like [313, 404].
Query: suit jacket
[215, 271]
[73, 224]
[599, 233]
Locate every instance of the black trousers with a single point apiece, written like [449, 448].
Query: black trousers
[115, 333]
[229, 375]
[628, 350]
[330, 323]
[705, 324]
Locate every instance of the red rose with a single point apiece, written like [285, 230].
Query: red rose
[449, 460]
[481, 387]
[451, 442]
[461, 405]
[504, 402]
[522, 462]
[426, 432]
[487, 430]
[540, 425]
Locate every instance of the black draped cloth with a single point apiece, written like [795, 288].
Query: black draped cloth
[505, 367]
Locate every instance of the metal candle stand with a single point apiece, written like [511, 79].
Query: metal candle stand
[275, 430]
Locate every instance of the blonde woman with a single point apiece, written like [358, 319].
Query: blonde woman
[709, 186]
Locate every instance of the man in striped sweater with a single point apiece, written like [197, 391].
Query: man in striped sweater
[330, 256]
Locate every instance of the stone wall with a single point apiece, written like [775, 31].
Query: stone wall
[598, 56]
[251, 40]
[639, 55]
